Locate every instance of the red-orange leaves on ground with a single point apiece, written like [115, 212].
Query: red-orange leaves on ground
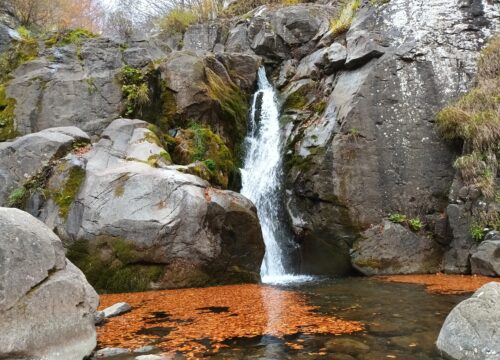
[442, 283]
[176, 320]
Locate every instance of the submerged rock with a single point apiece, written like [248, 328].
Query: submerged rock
[471, 329]
[40, 289]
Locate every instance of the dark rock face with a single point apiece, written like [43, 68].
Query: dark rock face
[379, 151]
[393, 249]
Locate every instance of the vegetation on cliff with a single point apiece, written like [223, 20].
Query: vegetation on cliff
[475, 119]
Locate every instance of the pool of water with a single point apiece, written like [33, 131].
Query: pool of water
[402, 321]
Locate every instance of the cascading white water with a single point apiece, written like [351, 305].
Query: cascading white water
[261, 177]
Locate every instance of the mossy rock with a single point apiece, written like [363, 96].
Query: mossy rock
[66, 196]
[67, 37]
[113, 265]
[7, 116]
[200, 145]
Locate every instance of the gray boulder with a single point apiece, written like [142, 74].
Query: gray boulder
[151, 217]
[486, 260]
[470, 332]
[24, 157]
[393, 249]
[40, 289]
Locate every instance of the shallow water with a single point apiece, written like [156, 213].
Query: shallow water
[401, 321]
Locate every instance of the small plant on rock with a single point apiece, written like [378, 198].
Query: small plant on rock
[415, 224]
[477, 232]
[397, 218]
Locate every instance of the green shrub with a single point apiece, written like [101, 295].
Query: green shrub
[477, 232]
[178, 20]
[397, 218]
[135, 89]
[343, 21]
[415, 224]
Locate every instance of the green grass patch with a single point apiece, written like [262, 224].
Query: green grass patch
[178, 20]
[342, 22]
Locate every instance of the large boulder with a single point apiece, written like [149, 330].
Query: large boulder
[25, 157]
[40, 289]
[393, 249]
[470, 332]
[486, 260]
[135, 222]
[379, 151]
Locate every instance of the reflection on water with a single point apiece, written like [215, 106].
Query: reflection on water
[402, 321]
[312, 320]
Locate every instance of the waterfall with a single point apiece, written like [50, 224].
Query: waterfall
[261, 177]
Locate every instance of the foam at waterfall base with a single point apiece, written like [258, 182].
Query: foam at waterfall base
[286, 279]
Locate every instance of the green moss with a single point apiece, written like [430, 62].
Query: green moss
[201, 145]
[68, 193]
[233, 104]
[18, 53]
[118, 272]
[319, 107]
[67, 37]
[297, 100]
[7, 116]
